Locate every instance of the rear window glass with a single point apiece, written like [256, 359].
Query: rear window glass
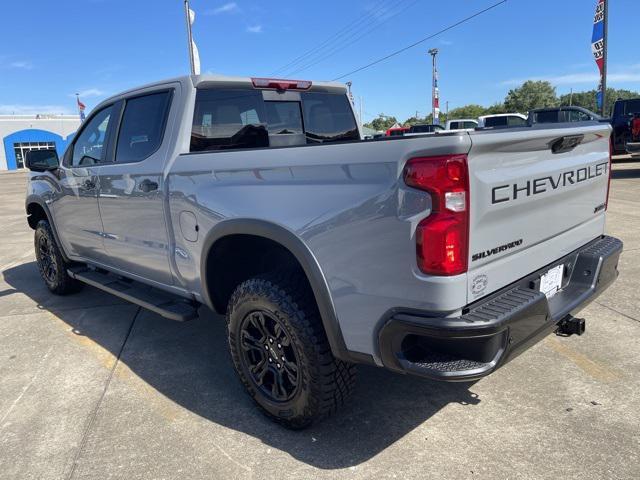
[632, 106]
[550, 116]
[456, 125]
[235, 119]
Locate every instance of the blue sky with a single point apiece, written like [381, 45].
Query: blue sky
[51, 49]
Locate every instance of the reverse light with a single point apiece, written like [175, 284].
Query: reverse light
[442, 239]
[278, 84]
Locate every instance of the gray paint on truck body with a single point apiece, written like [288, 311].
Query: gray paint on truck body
[346, 203]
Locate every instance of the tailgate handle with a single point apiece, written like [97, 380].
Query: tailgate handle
[566, 143]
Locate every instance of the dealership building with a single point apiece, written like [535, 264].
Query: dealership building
[21, 133]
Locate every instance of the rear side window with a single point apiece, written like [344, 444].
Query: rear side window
[240, 119]
[328, 117]
[142, 127]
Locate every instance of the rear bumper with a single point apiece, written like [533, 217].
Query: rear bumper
[497, 328]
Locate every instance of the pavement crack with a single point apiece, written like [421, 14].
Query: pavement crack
[26, 387]
[618, 312]
[94, 413]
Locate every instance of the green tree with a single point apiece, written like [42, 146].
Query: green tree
[382, 122]
[588, 99]
[467, 111]
[531, 94]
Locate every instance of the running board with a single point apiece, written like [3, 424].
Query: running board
[163, 303]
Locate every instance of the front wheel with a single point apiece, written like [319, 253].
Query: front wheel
[51, 264]
[281, 352]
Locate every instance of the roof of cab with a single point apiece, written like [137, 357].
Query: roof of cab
[222, 81]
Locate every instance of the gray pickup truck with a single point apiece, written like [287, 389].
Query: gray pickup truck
[442, 255]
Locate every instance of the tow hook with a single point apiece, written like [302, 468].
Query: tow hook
[571, 326]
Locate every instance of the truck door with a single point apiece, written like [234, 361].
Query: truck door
[76, 213]
[131, 195]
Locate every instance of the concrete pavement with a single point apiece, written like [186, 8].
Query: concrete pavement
[94, 388]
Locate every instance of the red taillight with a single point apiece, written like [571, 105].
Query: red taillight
[277, 84]
[442, 239]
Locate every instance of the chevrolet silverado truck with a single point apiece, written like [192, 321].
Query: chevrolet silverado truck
[625, 120]
[443, 255]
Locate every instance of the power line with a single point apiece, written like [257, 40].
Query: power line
[339, 48]
[373, 12]
[374, 19]
[397, 52]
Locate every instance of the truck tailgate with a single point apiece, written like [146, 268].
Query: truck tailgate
[535, 197]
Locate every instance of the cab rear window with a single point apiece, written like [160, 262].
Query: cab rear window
[226, 119]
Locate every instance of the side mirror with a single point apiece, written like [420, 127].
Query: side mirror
[42, 160]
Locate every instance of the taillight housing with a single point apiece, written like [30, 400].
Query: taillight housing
[442, 239]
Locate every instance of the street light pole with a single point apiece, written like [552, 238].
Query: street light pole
[435, 102]
[187, 13]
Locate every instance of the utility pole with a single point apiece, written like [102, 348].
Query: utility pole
[571, 98]
[605, 41]
[361, 110]
[435, 100]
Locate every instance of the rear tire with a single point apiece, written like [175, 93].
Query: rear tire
[281, 352]
[51, 264]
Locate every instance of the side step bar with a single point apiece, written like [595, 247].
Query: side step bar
[163, 303]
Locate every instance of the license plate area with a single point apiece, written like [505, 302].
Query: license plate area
[551, 282]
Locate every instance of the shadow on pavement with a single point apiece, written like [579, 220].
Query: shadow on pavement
[189, 364]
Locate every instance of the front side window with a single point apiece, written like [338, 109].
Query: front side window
[142, 127]
[514, 121]
[90, 146]
[455, 125]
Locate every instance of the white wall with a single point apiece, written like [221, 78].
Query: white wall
[62, 125]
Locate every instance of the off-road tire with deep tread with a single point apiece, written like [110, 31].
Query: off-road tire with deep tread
[326, 382]
[61, 283]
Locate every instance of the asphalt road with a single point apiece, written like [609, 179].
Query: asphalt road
[91, 387]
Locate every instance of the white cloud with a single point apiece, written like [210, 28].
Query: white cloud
[230, 7]
[630, 74]
[255, 29]
[21, 64]
[89, 92]
[18, 109]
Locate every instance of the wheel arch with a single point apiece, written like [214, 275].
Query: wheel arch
[37, 210]
[303, 256]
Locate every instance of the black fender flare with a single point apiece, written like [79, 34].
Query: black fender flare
[303, 255]
[35, 199]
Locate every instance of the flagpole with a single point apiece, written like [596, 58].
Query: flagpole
[190, 36]
[604, 56]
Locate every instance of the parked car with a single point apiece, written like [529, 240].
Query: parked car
[396, 131]
[622, 120]
[441, 256]
[461, 124]
[561, 115]
[423, 128]
[502, 120]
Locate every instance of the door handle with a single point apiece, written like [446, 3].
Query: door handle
[147, 186]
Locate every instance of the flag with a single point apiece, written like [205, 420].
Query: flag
[597, 45]
[194, 48]
[81, 108]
